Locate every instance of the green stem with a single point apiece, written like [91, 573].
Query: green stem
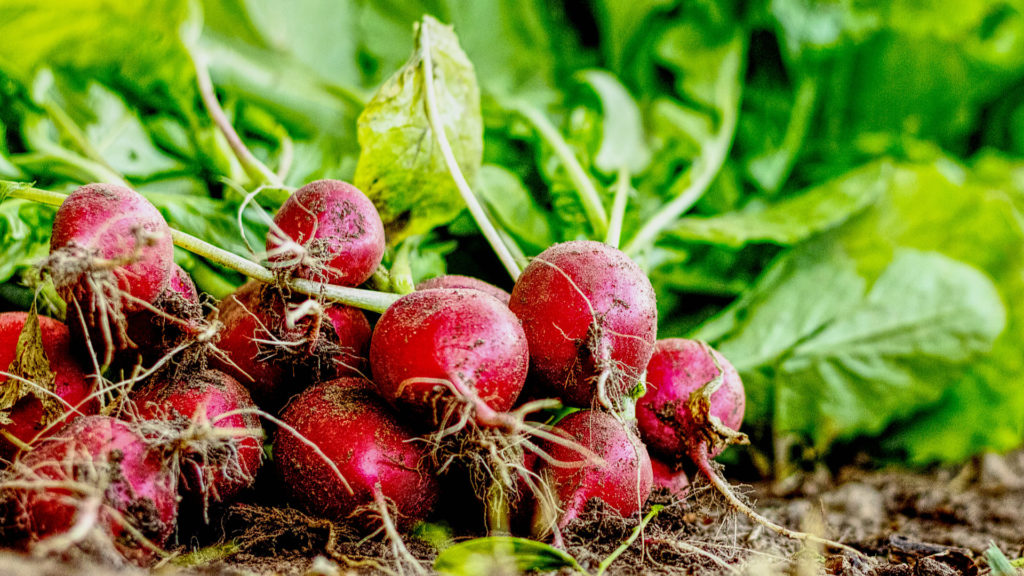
[257, 171]
[603, 566]
[350, 96]
[589, 197]
[622, 186]
[475, 208]
[364, 299]
[705, 167]
[400, 274]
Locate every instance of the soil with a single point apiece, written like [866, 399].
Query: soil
[922, 523]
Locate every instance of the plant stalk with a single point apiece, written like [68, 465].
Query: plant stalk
[589, 197]
[475, 208]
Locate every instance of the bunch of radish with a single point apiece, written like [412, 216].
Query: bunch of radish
[99, 464]
[369, 420]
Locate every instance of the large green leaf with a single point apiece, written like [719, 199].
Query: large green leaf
[903, 67]
[137, 47]
[791, 220]
[893, 317]
[401, 167]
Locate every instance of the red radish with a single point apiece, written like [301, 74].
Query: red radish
[670, 478]
[36, 413]
[213, 466]
[110, 250]
[693, 408]
[100, 478]
[275, 360]
[678, 368]
[433, 343]
[375, 453]
[328, 230]
[622, 479]
[176, 319]
[182, 285]
[590, 318]
[466, 282]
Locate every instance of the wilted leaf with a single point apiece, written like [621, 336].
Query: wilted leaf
[400, 166]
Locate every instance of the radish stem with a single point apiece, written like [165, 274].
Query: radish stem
[589, 197]
[705, 167]
[256, 170]
[700, 458]
[622, 187]
[475, 208]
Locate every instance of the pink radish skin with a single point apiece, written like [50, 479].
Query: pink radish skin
[678, 368]
[96, 451]
[623, 481]
[103, 219]
[465, 282]
[274, 373]
[71, 384]
[338, 227]
[461, 336]
[375, 453]
[587, 310]
[217, 469]
[671, 479]
[182, 285]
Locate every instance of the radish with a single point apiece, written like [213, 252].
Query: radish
[693, 408]
[98, 484]
[35, 409]
[467, 282]
[277, 348]
[110, 252]
[175, 319]
[678, 368]
[670, 477]
[182, 285]
[327, 231]
[222, 438]
[620, 475]
[433, 345]
[369, 446]
[590, 318]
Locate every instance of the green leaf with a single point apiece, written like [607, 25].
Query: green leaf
[830, 358]
[93, 120]
[213, 220]
[519, 47]
[137, 47]
[401, 167]
[513, 208]
[624, 26]
[793, 219]
[486, 555]
[998, 561]
[905, 67]
[623, 144]
[24, 235]
[891, 354]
